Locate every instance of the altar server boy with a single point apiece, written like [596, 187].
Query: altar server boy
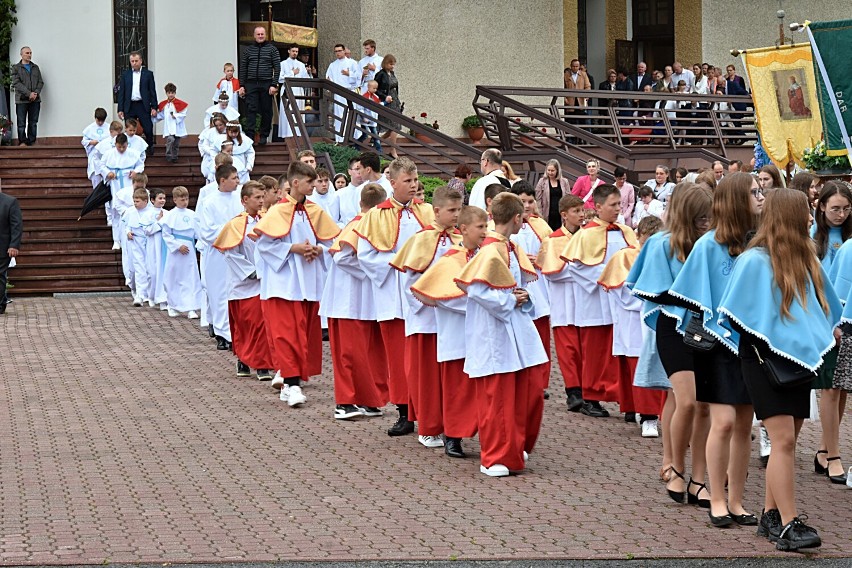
[422, 371]
[229, 86]
[118, 167]
[172, 112]
[92, 136]
[220, 207]
[382, 232]
[509, 402]
[134, 222]
[357, 351]
[587, 253]
[566, 336]
[293, 238]
[180, 271]
[437, 289]
[248, 331]
[325, 197]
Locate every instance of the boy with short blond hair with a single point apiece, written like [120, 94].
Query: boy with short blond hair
[508, 349]
[307, 157]
[134, 223]
[181, 278]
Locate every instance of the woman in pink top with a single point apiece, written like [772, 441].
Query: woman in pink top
[628, 195]
[584, 185]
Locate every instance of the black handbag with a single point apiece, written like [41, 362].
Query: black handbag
[696, 337]
[781, 372]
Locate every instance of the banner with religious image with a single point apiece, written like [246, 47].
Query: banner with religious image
[786, 101]
[831, 43]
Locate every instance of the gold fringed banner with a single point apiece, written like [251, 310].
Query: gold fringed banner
[786, 103]
[281, 33]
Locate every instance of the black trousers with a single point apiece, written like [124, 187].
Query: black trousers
[143, 115]
[258, 101]
[4, 276]
[27, 115]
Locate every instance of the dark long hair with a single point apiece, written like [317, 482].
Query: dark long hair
[830, 189]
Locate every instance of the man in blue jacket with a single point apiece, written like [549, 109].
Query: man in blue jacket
[137, 97]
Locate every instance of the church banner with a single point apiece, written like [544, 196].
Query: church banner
[786, 101]
[280, 33]
[832, 45]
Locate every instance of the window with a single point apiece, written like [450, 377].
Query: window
[131, 32]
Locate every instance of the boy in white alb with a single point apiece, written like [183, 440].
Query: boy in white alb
[92, 135]
[230, 86]
[382, 232]
[180, 270]
[154, 255]
[131, 127]
[172, 112]
[293, 239]
[325, 197]
[248, 330]
[134, 223]
[118, 167]
[422, 371]
[437, 288]
[508, 347]
[357, 351]
[222, 206]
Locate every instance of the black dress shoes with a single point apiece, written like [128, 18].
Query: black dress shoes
[575, 401]
[594, 409]
[210, 331]
[720, 522]
[402, 427]
[453, 448]
[221, 343]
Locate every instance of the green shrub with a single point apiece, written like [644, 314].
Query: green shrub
[430, 184]
[340, 155]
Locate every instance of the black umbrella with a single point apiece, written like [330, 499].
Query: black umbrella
[99, 196]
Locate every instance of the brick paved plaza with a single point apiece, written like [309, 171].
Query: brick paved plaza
[127, 438]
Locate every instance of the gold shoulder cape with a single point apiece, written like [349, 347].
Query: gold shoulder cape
[419, 251]
[347, 237]
[539, 227]
[380, 226]
[491, 265]
[232, 234]
[616, 270]
[548, 260]
[589, 245]
[279, 220]
[439, 280]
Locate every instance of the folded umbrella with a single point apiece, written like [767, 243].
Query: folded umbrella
[99, 196]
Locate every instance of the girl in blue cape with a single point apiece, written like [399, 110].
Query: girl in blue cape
[737, 203]
[779, 303]
[658, 264]
[831, 231]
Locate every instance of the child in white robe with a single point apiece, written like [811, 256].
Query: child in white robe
[92, 136]
[134, 222]
[210, 144]
[242, 152]
[131, 127]
[118, 167]
[181, 278]
[228, 85]
[325, 197]
[172, 112]
[221, 106]
[154, 255]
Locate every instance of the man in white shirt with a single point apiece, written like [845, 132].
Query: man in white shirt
[344, 72]
[290, 67]
[684, 74]
[489, 165]
[369, 64]
[369, 166]
[350, 196]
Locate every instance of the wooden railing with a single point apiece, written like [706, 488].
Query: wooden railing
[325, 99]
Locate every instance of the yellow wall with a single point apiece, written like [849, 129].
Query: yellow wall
[616, 27]
[569, 30]
[688, 16]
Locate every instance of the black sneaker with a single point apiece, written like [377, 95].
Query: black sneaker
[770, 525]
[346, 411]
[221, 343]
[243, 370]
[325, 335]
[630, 417]
[796, 535]
[264, 375]
[575, 402]
[402, 427]
[370, 411]
[210, 331]
[594, 409]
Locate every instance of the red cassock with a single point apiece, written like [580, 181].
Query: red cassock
[569, 354]
[393, 338]
[458, 400]
[600, 367]
[542, 324]
[636, 399]
[295, 333]
[424, 383]
[248, 333]
[358, 358]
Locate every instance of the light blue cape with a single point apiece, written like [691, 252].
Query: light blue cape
[653, 274]
[702, 281]
[840, 274]
[753, 300]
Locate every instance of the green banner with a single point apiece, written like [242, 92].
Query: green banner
[831, 43]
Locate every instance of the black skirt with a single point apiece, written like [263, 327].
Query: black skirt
[675, 356]
[718, 377]
[767, 400]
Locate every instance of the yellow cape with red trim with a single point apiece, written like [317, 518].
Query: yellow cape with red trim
[380, 225]
[279, 220]
[418, 252]
[491, 264]
[347, 237]
[539, 226]
[233, 233]
[439, 280]
[616, 270]
[549, 260]
[589, 245]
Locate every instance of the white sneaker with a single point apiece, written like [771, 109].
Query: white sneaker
[137, 303]
[496, 470]
[277, 381]
[193, 315]
[765, 444]
[650, 429]
[295, 397]
[116, 245]
[284, 395]
[431, 441]
[164, 306]
[173, 313]
[526, 458]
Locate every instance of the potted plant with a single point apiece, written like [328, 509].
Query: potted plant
[819, 162]
[424, 120]
[473, 125]
[524, 129]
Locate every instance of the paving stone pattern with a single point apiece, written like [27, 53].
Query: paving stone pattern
[127, 438]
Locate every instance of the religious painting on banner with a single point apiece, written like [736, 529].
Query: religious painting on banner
[831, 43]
[785, 101]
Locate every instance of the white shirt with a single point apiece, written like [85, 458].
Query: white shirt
[587, 292]
[335, 73]
[477, 192]
[135, 93]
[539, 293]
[686, 76]
[349, 199]
[376, 60]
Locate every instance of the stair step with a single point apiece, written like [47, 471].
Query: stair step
[40, 257]
[95, 269]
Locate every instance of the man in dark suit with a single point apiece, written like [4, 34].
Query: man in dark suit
[11, 229]
[642, 77]
[137, 97]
